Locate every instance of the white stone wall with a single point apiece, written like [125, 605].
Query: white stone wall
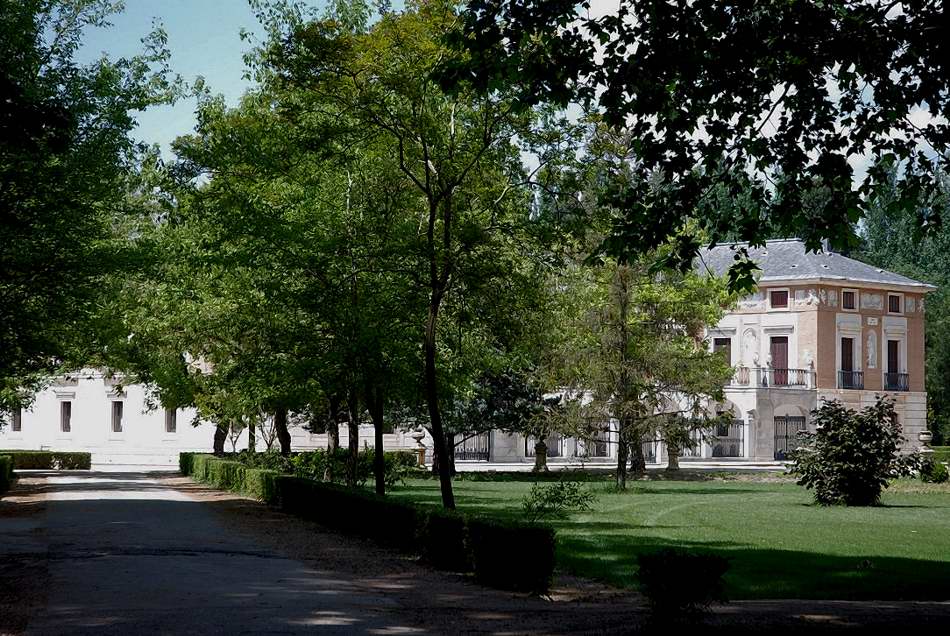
[143, 441]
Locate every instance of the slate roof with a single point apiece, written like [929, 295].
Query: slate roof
[787, 260]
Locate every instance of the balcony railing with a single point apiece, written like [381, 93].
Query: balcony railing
[773, 377]
[896, 382]
[850, 379]
[777, 377]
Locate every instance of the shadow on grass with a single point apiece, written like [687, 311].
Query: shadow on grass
[761, 573]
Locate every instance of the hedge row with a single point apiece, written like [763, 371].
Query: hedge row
[504, 554]
[45, 460]
[230, 475]
[6, 473]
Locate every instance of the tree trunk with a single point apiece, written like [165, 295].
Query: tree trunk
[280, 426]
[353, 441]
[673, 457]
[541, 457]
[220, 435]
[375, 404]
[623, 450]
[638, 462]
[441, 453]
[333, 436]
[251, 436]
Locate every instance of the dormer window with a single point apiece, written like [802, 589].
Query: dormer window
[894, 302]
[778, 299]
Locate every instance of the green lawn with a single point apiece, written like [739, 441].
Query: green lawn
[779, 543]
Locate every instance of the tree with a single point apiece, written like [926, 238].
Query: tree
[776, 100]
[851, 457]
[641, 356]
[890, 241]
[455, 153]
[66, 165]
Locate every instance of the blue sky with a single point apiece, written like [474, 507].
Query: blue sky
[204, 39]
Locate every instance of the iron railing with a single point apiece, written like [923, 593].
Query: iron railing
[729, 440]
[850, 379]
[472, 447]
[896, 382]
[787, 439]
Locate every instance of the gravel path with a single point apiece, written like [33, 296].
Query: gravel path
[101, 553]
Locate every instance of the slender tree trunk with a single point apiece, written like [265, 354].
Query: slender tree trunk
[333, 436]
[375, 403]
[624, 390]
[541, 457]
[220, 435]
[441, 453]
[280, 427]
[251, 436]
[353, 441]
[623, 451]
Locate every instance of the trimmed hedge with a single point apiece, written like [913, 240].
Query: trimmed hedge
[504, 554]
[512, 555]
[351, 511]
[46, 460]
[231, 475]
[443, 541]
[6, 473]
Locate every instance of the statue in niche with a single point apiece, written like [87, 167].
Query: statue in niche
[750, 347]
[872, 349]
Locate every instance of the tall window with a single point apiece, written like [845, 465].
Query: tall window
[117, 417]
[65, 416]
[723, 346]
[848, 300]
[893, 356]
[847, 354]
[893, 303]
[778, 299]
[778, 348]
[17, 423]
[171, 420]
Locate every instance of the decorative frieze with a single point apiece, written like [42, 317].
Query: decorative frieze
[828, 297]
[806, 298]
[872, 301]
[754, 302]
[909, 305]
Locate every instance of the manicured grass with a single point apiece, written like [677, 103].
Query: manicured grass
[780, 544]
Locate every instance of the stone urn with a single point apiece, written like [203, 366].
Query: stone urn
[419, 435]
[925, 437]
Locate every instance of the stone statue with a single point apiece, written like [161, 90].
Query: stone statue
[872, 349]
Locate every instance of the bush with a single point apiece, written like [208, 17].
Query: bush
[231, 475]
[679, 583]
[852, 456]
[262, 485]
[48, 460]
[6, 473]
[443, 541]
[351, 511]
[933, 472]
[556, 499]
[512, 555]
[397, 465]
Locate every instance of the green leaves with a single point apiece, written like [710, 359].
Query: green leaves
[776, 101]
